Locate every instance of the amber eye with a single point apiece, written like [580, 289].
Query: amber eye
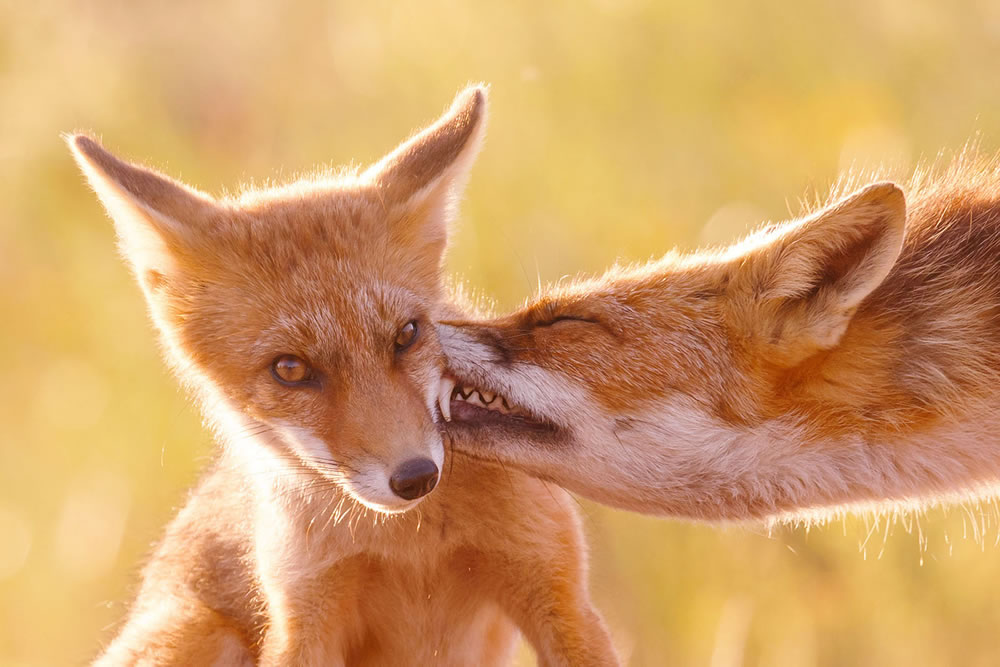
[289, 369]
[406, 335]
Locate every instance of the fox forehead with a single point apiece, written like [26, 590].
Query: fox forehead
[338, 246]
[295, 266]
[301, 233]
[359, 315]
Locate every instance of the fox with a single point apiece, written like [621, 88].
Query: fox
[846, 360]
[334, 527]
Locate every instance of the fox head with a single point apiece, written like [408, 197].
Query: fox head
[304, 315]
[637, 389]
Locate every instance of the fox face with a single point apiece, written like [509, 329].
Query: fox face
[648, 388]
[303, 316]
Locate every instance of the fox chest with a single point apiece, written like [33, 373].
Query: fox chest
[401, 614]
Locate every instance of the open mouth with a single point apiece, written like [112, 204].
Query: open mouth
[464, 403]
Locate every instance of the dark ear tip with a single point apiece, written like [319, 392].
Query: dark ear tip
[479, 95]
[473, 101]
[84, 145]
[886, 193]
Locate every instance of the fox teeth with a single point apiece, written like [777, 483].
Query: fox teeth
[483, 399]
[445, 389]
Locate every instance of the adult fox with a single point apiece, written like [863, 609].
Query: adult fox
[302, 318]
[850, 356]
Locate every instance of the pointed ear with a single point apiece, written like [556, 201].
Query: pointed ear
[421, 181]
[156, 218]
[808, 280]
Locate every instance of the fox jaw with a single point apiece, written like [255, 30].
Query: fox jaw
[682, 387]
[290, 337]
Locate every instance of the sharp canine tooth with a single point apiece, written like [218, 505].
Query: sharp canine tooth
[444, 397]
[448, 391]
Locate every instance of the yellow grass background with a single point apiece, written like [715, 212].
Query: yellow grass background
[618, 130]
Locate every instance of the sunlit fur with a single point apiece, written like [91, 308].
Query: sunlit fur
[285, 553]
[821, 363]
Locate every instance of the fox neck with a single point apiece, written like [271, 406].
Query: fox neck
[712, 470]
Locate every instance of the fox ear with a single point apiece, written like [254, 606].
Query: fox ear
[156, 218]
[810, 279]
[421, 181]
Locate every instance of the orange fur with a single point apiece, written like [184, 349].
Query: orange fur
[832, 360]
[296, 548]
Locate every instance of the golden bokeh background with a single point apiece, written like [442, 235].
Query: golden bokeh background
[618, 130]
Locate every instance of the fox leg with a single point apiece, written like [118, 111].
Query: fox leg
[550, 603]
[298, 643]
[303, 632]
[309, 616]
[177, 631]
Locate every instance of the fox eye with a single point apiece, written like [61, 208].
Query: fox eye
[566, 318]
[291, 370]
[407, 334]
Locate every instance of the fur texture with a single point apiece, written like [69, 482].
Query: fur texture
[829, 361]
[296, 549]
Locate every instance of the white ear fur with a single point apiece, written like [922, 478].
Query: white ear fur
[815, 273]
[155, 217]
[422, 180]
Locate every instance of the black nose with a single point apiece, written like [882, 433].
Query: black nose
[415, 478]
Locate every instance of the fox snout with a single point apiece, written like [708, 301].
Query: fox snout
[399, 463]
[387, 461]
[484, 386]
[414, 479]
[462, 341]
[387, 474]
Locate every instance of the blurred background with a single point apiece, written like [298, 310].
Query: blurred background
[618, 130]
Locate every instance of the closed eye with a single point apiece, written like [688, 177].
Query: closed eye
[566, 318]
[559, 321]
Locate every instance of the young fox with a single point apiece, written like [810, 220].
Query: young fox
[302, 319]
[832, 360]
